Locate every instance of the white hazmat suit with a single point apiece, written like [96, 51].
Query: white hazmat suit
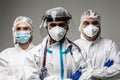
[12, 60]
[61, 59]
[102, 53]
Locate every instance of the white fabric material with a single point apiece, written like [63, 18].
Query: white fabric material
[12, 63]
[88, 14]
[91, 30]
[54, 77]
[57, 33]
[22, 19]
[99, 52]
[71, 63]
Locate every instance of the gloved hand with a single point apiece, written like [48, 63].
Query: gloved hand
[101, 72]
[109, 63]
[76, 75]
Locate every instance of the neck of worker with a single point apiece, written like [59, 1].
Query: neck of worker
[24, 46]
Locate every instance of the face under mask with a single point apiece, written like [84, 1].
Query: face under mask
[22, 36]
[91, 30]
[57, 33]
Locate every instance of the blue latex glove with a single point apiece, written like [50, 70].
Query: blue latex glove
[76, 75]
[109, 63]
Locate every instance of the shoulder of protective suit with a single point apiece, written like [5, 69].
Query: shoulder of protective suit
[5, 53]
[75, 47]
[36, 47]
[106, 40]
[77, 41]
[109, 43]
[7, 50]
[35, 50]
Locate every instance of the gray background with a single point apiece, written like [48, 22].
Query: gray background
[10, 9]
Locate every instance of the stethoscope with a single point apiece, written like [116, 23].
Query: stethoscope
[44, 69]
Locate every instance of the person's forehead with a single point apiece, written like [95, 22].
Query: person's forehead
[91, 19]
[56, 22]
[23, 24]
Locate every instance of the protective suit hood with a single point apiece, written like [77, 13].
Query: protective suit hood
[86, 15]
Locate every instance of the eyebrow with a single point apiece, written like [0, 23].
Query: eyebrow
[22, 26]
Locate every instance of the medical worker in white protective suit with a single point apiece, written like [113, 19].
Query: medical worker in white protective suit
[102, 53]
[57, 57]
[12, 59]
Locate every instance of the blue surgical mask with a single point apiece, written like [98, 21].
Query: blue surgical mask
[22, 36]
